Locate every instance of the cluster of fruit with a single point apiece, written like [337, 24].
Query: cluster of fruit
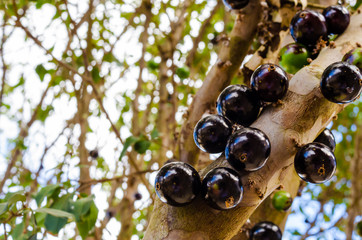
[310, 30]
[247, 148]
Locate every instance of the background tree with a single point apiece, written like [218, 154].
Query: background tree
[97, 95]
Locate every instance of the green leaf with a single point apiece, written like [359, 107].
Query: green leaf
[56, 80]
[154, 134]
[129, 141]
[39, 4]
[43, 114]
[18, 230]
[109, 57]
[53, 222]
[55, 212]
[183, 72]
[32, 237]
[296, 233]
[152, 65]
[41, 71]
[358, 3]
[33, 219]
[141, 146]
[16, 198]
[45, 192]
[20, 83]
[3, 208]
[81, 207]
[95, 74]
[88, 221]
[9, 195]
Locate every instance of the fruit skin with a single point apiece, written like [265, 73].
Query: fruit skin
[248, 149]
[359, 228]
[138, 196]
[293, 57]
[282, 200]
[177, 184]
[270, 82]
[222, 188]
[307, 27]
[354, 57]
[236, 4]
[326, 137]
[341, 82]
[337, 18]
[265, 231]
[239, 104]
[93, 154]
[315, 163]
[211, 133]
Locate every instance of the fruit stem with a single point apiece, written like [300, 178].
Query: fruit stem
[311, 5]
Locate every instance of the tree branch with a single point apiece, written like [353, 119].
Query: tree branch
[303, 113]
[231, 56]
[355, 207]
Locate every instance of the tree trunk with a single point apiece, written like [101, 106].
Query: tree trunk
[303, 113]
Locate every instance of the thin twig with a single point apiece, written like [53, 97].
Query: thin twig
[4, 67]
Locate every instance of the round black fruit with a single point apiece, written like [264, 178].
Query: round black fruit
[307, 27]
[337, 18]
[235, 4]
[93, 154]
[326, 137]
[270, 82]
[265, 231]
[341, 82]
[222, 188]
[177, 184]
[315, 163]
[138, 196]
[354, 57]
[211, 133]
[248, 149]
[239, 104]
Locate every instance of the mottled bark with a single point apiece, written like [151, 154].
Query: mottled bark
[266, 211]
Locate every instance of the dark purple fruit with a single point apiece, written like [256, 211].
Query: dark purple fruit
[265, 231]
[354, 57]
[282, 200]
[315, 163]
[211, 133]
[248, 149]
[293, 57]
[239, 104]
[307, 27]
[341, 82]
[93, 154]
[138, 196]
[177, 184]
[235, 4]
[270, 82]
[222, 188]
[337, 18]
[326, 137]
